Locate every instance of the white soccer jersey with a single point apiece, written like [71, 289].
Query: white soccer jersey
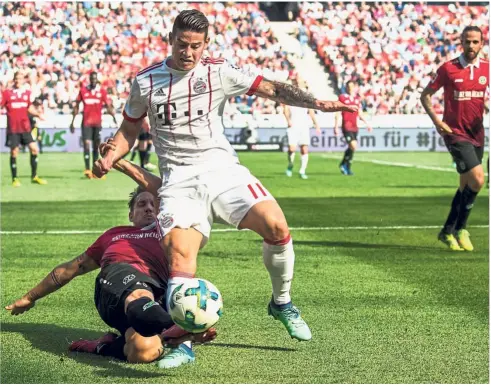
[185, 111]
[300, 117]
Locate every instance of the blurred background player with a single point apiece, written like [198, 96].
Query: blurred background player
[298, 133]
[465, 80]
[349, 125]
[143, 146]
[36, 133]
[17, 102]
[93, 97]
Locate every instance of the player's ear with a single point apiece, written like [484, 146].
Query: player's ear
[130, 216]
[170, 38]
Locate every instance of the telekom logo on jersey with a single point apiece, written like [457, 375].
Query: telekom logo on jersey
[466, 95]
[169, 111]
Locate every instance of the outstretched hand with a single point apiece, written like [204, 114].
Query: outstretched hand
[20, 306]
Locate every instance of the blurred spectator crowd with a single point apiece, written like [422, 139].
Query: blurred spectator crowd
[58, 44]
[391, 50]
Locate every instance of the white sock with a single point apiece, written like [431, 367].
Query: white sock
[171, 285]
[279, 261]
[291, 158]
[304, 160]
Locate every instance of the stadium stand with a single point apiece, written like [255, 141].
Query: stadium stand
[59, 43]
[391, 50]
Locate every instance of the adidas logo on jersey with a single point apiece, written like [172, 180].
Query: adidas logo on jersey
[160, 92]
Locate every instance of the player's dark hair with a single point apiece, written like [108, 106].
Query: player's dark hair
[133, 195]
[350, 81]
[191, 20]
[472, 28]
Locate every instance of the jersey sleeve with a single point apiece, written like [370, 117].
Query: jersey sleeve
[79, 96]
[238, 82]
[3, 98]
[135, 107]
[439, 79]
[104, 98]
[97, 249]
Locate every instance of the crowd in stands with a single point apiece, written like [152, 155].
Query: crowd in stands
[58, 44]
[391, 50]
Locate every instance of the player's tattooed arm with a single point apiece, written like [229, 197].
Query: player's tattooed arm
[56, 279]
[425, 98]
[294, 96]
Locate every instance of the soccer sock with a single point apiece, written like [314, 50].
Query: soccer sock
[147, 154]
[468, 196]
[348, 155]
[87, 159]
[291, 158]
[13, 167]
[142, 157]
[95, 154]
[351, 155]
[114, 349]
[34, 165]
[147, 317]
[304, 160]
[279, 259]
[454, 213]
[133, 155]
[175, 279]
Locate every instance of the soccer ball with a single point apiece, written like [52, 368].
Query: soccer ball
[195, 305]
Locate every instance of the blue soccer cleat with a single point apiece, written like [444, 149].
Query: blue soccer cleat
[289, 315]
[176, 357]
[344, 169]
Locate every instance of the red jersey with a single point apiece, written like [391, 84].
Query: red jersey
[93, 101]
[138, 247]
[350, 119]
[17, 103]
[464, 87]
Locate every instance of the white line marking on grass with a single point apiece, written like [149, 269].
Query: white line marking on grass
[227, 230]
[400, 164]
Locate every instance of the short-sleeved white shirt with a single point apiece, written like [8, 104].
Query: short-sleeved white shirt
[185, 112]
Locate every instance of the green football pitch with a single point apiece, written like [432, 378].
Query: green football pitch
[385, 301]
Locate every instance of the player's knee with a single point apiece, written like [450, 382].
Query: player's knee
[14, 152]
[353, 145]
[147, 317]
[276, 228]
[34, 150]
[143, 350]
[477, 182]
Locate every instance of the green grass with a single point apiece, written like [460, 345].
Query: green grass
[384, 306]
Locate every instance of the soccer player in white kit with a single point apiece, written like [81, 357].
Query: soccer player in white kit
[202, 179]
[299, 122]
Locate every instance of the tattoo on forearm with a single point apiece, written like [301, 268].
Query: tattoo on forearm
[32, 295]
[54, 277]
[291, 95]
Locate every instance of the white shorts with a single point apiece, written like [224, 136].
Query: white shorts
[223, 196]
[298, 135]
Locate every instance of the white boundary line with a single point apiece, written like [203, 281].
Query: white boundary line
[227, 230]
[401, 164]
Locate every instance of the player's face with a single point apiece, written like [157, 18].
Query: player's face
[187, 49]
[93, 79]
[18, 81]
[472, 43]
[350, 88]
[144, 210]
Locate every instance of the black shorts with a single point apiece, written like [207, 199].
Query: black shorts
[465, 155]
[91, 133]
[113, 285]
[144, 136]
[16, 139]
[350, 136]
